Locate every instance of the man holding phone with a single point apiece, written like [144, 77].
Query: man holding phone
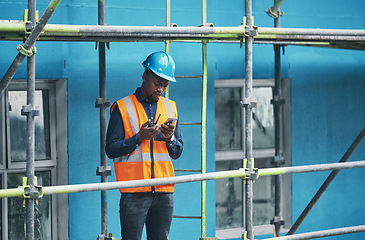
[143, 135]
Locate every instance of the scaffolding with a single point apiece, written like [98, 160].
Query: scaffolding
[247, 33]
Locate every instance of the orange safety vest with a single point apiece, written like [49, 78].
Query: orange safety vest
[144, 162]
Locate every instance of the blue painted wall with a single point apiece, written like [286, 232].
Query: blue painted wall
[327, 99]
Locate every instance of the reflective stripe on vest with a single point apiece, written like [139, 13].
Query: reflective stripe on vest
[137, 165]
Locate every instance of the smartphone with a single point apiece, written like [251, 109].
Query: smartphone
[171, 120]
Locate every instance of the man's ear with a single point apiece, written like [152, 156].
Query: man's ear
[144, 77]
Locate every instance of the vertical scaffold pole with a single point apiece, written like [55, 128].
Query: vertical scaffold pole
[248, 118]
[203, 127]
[104, 170]
[30, 126]
[167, 42]
[203, 136]
[278, 110]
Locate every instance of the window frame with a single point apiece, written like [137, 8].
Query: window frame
[261, 154]
[55, 232]
[58, 162]
[237, 154]
[20, 85]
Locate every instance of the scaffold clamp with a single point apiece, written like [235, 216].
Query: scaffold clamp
[277, 100]
[26, 52]
[247, 102]
[206, 25]
[106, 170]
[106, 237]
[29, 193]
[250, 30]
[244, 235]
[28, 109]
[277, 220]
[102, 102]
[253, 174]
[27, 22]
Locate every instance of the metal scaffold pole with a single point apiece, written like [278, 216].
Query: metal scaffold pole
[15, 31]
[203, 126]
[321, 234]
[167, 42]
[248, 103]
[104, 170]
[242, 173]
[28, 110]
[278, 111]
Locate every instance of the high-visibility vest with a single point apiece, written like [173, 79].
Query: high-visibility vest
[151, 159]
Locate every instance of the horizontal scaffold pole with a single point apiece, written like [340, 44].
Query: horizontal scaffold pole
[321, 234]
[310, 168]
[19, 192]
[15, 30]
[311, 31]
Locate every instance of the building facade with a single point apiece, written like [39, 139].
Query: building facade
[324, 111]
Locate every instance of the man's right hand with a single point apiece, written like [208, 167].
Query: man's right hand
[147, 133]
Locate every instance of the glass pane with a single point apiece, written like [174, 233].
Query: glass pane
[229, 193]
[263, 195]
[18, 126]
[228, 119]
[263, 118]
[17, 216]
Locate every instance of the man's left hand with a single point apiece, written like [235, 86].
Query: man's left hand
[167, 130]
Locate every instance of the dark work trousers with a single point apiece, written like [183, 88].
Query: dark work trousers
[154, 209]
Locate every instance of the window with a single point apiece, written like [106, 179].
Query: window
[229, 125]
[50, 157]
[18, 127]
[42, 211]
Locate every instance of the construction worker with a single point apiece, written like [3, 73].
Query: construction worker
[143, 133]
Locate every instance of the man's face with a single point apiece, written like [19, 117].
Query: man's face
[153, 86]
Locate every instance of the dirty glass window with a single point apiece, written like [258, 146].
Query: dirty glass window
[264, 196]
[229, 127]
[42, 211]
[228, 130]
[13, 142]
[18, 126]
[263, 118]
[229, 195]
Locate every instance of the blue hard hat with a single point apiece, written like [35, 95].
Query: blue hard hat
[162, 64]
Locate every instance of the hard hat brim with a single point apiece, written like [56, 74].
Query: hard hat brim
[171, 79]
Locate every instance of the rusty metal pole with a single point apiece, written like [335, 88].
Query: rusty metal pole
[248, 103]
[102, 102]
[30, 113]
[278, 114]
